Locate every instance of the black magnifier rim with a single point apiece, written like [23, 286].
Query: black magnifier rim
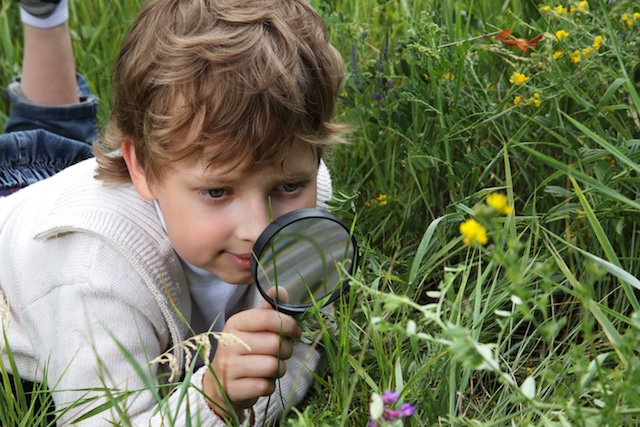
[277, 225]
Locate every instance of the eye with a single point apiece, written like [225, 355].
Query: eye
[215, 193]
[289, 187]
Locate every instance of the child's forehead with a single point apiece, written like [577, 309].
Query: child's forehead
[226, 155]
[297, 162]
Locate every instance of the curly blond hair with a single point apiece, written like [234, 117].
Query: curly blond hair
[223, 81]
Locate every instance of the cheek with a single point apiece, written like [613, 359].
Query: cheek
[197, 244]
[313, 195]
[303, 201]
[307, 200]
[188, 231]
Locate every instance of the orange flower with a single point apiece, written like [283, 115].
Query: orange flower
[520, 43]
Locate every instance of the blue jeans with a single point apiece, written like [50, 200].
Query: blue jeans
[41, 140]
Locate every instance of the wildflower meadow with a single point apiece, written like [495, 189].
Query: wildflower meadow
[492, 181]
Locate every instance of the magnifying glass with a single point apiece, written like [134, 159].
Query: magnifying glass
[301, 255]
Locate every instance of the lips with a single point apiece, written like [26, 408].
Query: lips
[242, 261]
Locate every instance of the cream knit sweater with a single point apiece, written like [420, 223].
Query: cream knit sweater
[82, 266]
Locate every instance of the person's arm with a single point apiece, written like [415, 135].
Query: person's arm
[73, 308]
[48, 69]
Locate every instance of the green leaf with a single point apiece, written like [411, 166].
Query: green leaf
[528, 388]
[608, 146]
[377, 406]
[568, 170]
[604, 241]
[610, 331]
[611, 91]
[592, 370]
[422, 248]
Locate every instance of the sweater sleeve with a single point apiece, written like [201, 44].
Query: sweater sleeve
[93, 332]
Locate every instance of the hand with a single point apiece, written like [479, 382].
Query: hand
[246, 375]
[278, 294]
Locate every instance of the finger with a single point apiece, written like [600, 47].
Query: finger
[264, 320]
[279, 294]
[248, 389]
[266, 343]
[258, 366]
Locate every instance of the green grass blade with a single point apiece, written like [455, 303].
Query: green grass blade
[610, 92]
[609, 147]
[604, 241]
[422, 248]
[566, 169]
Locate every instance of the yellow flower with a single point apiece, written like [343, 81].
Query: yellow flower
[560, 9]
[382, 199]
[473, 232]
[535, 100]
[449, 76]
[518, 101]
[575, 57]
[625, 17]
[557, 54]
[561, 34]
[583, 5]
[636, 15]
[517, 78]
[597, 42]
[546, 8]
[587, 51]
[499, 202]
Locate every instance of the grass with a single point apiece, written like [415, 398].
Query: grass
[540, 325]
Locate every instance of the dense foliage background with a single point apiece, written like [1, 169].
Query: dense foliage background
[536, 324]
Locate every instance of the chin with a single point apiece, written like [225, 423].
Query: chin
[237, 279]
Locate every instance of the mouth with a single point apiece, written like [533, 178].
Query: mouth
[242, 261]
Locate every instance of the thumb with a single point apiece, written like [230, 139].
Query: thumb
[276, 293]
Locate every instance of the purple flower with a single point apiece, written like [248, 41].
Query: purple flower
[389, 398]
[381, 415]
[405, 411]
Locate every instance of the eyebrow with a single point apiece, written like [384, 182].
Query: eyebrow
[223, 178]
[299, 175]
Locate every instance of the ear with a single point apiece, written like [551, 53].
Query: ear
[136, 171]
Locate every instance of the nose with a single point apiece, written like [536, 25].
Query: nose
[253, 220]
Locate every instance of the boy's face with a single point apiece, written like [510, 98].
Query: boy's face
[214, 215]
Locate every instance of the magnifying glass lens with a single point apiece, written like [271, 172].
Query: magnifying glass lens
[298, 260]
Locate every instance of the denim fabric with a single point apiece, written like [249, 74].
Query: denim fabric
[41, 140]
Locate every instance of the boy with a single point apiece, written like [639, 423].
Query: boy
[221, 111]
